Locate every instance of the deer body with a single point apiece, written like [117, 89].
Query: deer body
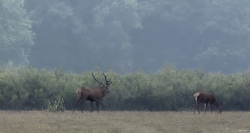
[92, 94]
[208, 99]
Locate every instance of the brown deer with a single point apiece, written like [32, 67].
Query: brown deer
[93, 94]
[207, 98]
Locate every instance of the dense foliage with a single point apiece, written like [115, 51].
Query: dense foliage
[16, 37]
[168, 89]
[125, 35]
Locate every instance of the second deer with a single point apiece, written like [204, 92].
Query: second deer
[208, 99]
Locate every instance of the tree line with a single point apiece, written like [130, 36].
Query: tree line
[169, 89]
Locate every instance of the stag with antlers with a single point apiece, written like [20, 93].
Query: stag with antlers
[93, 94]
[208, 99]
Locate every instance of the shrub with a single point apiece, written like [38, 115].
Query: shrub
[57, 106]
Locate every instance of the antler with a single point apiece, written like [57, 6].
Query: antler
[97, 80]
[108, 82]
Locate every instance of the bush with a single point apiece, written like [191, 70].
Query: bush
[167, 89]
[57, 106]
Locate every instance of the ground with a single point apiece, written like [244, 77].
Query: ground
[123, 122]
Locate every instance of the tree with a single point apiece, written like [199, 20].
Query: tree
[80, 35]
[16, 37]
[212, 35]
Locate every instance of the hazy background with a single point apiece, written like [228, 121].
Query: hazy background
[126, 35]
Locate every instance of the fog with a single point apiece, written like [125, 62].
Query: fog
[127, 35]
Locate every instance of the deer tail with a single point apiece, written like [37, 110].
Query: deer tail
[78, 93]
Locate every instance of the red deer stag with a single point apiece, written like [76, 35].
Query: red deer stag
[207, 98]
[93, 94]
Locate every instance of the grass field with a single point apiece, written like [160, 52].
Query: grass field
[123, 122]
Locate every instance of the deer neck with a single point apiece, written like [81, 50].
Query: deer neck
[102, 90]
[217, 105]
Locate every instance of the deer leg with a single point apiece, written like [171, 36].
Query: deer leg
[210, 107]
[76, 103]
[97, 106]
[196, 106]
[205, 107]
[82, 103]
[91, 106]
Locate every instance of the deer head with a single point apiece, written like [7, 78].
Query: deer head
[105, 86]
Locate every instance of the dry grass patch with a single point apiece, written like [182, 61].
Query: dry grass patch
[123, 122]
